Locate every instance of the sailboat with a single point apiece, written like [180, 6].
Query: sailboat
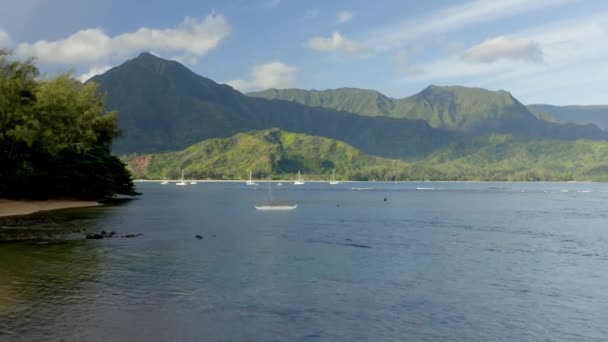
[299, 180]
[193, 182]
[333, 180]
[164, 182]
[272, 205]
[250, 181]
[181, 180]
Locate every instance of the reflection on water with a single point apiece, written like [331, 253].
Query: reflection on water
[452, 262]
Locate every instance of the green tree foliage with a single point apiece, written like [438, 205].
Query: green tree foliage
[278, 154]
[55, 137]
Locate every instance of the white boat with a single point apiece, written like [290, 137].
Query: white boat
[250, 181]
[275, 207]
[333, 180]
[279, 184]
[181, 180]
[164, 182]
[193, 182]
[299, 180]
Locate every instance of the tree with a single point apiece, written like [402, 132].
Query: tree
[55, 137]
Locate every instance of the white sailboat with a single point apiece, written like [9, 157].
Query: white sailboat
[274, 206]
[193, 182]
[250, 181]
[299, 180]
[164, 182]
[333, 180]
[181, 180]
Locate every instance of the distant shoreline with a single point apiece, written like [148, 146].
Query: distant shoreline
[26, 207]
[348, 181]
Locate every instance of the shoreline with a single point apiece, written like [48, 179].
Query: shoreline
[9, 208]
[352, 181]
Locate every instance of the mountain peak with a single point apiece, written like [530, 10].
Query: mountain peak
[146, 54]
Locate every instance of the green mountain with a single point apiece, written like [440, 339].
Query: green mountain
[279, 154]
[597, 115]
[353, 100]
[268, 154]
[473, 110]
[163, 106]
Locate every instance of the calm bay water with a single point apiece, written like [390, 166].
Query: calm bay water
[458, 262]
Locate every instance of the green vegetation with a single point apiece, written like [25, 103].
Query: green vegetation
[277, 154]
[597, 115]
[55, 137]
[472, 110]
[509, 158]
[269, 154]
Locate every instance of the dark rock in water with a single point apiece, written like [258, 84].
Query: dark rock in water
[337, 205]
[385, 199]
[356, 245]
[200, 237]
[104, 234]
[94, 236]
[133, 235]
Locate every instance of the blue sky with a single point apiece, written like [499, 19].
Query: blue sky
[543, 51]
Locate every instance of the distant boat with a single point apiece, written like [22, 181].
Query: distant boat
[250, 181]
[193, 182]
[279, 184]
[333, 180]
[181, 180]
[165, 182]
[273, 205]
[299, 180]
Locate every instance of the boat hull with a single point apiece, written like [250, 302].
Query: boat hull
[275, 207]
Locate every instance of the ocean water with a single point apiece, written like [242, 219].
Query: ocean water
[434, 262]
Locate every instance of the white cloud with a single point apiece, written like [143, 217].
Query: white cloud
[344, 16]
[335, 43]
[502, 47]
[452, 18]
[191, 39]
[270, 75]
[573, 64]
[5, 39]
[97, 70]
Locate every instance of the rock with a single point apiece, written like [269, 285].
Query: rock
[94, 236]
[132, 235]
[200, 237]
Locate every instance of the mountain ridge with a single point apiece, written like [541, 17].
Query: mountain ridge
[165, 106]
[579, 114]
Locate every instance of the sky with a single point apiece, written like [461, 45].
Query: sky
[542, 51]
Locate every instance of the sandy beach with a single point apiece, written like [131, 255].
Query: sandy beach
[15, 208]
